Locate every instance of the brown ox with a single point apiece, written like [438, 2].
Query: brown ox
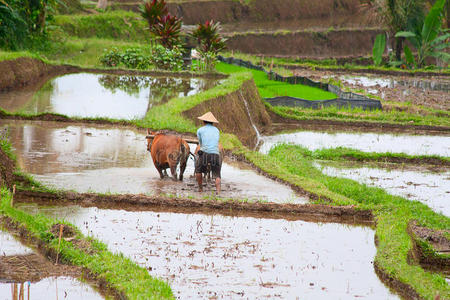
[167, 151]
[207, 175]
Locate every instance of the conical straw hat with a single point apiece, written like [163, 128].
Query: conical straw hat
[208, 117]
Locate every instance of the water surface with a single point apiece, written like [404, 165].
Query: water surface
[368, 142]
[108, 96]
[216, 256]
[107, 160]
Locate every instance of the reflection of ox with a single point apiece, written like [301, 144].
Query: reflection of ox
[207, 175]
[167, 151]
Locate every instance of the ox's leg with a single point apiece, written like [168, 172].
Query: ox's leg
[182, 168]
[173, 170]
[160, 170]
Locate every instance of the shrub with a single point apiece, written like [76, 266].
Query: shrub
[111, 58]
[134, 59]
[210, 43]
[167, 59]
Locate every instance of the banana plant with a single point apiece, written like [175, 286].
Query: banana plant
[428, 38]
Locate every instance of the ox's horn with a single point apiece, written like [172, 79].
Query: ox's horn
[148, 131]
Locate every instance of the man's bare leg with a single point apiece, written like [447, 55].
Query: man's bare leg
[199, 178]
[218, 181]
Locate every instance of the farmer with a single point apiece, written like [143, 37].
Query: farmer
[208, 139]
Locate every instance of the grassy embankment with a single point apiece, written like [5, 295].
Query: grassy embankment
[344, 154]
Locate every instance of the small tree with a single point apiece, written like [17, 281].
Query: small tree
[165, 27]
[210, 42]
[426, 39]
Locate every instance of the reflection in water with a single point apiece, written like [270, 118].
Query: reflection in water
[431, 189]
[369, 142]
[116, 161]
[111, 96]
[215, 256]
[49, 289]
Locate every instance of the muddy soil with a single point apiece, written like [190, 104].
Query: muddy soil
[433, 92]
[369, 142]
[318, 44]
[218, 256]
[104, 160]
[102, 95]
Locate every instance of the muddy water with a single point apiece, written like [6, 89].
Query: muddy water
[10, 246]
[369, 142]
[204, 256]
[429, 91]
[97, 95]
[51, 288]
[105, 160]
[432, 189]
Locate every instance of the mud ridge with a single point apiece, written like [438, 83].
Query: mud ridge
[39, 245]
[405, 290]
[231, 107]
[431, 161]
[423, 238]
[91, 199]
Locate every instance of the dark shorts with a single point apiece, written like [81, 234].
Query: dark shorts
[206, 160]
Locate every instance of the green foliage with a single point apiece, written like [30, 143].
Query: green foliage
[168, 31]
[153, 11]
[167, 59]
[378, 49]
[400, 15]
[111, 58]
[13, 29]
[165, 27]
[425, 37]
[132, 58]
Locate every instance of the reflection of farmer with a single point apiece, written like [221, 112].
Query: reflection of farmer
[208, 138]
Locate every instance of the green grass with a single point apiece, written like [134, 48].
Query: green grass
[358, 115]
[342, 154]
[116, 25]
[271, 88]
[119, 272]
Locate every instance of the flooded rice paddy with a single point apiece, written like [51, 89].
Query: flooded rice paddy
[430, 91]
[432, 189]
[368, 142]
[216, 256]
[50, 287]
[105, 160]
[98, 95]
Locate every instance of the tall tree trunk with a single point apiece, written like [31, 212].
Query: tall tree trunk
[102, 4]
[399, 48]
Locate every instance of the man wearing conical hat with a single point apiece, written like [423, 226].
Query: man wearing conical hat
[208, 138]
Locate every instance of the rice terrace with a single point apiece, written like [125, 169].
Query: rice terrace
[224, 149]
